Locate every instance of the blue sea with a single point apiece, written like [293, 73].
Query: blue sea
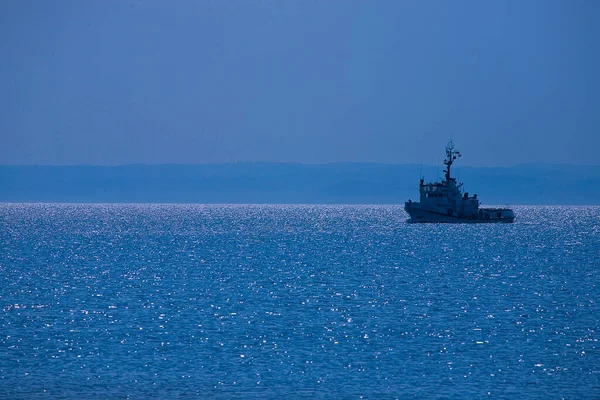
[297, 301]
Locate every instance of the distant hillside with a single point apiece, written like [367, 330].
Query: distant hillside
[292, 183]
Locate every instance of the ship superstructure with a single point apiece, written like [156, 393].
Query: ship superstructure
[446, 202]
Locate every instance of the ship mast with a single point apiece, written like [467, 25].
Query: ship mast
[451, 154]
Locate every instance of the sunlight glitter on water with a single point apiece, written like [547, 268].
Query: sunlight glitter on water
[269, 301]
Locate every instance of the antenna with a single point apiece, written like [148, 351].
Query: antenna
[457, 170]
[421, 169]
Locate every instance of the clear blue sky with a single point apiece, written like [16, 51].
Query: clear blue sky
[118, 82]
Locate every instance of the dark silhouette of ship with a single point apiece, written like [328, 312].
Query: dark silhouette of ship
[445, 201]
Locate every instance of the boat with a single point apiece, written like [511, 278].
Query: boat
[446, 202]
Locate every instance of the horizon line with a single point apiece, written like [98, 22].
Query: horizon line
[527, 164]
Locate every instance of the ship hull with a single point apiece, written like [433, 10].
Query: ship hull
[488, 216]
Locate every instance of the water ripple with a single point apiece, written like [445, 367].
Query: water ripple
[239, 301]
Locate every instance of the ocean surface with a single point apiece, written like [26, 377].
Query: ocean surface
[296, 301]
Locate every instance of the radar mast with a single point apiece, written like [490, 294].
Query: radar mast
[451, 154]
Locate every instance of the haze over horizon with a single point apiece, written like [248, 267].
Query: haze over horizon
[118, 83]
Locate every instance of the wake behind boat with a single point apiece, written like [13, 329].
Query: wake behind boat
[445, 202]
